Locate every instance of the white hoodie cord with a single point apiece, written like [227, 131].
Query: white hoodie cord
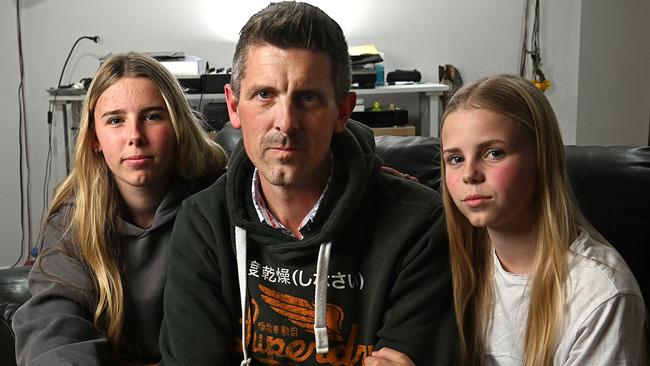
[320, 301]
[240, 249]
[320, 313]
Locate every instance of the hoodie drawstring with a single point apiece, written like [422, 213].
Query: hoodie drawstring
[320, 297]
[240, 248]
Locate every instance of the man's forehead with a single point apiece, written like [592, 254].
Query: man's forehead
[268, 53]
[267, 64]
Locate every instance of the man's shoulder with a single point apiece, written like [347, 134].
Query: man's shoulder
[401, 191]
[212, 194]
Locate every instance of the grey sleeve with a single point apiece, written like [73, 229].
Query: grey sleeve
[55, 326]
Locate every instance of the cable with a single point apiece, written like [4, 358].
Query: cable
[50, 118]
[535, 52]
[524, 41]
[22, 142]
[58, 85]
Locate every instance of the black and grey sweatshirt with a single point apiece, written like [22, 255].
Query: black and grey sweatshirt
[55, 327]
[372, 272]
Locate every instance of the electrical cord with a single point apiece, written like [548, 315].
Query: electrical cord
[535, 41]
[50, 111]
[50, 120]
[23, 158]
[524, 41]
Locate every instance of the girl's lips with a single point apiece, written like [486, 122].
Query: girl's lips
[138, 160]
[476, 200]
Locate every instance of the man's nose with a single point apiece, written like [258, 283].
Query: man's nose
[287, 116]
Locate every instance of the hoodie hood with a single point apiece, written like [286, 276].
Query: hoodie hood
[356, 166]
[179, 189]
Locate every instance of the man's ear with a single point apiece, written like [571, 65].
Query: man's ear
[345, 110]
[232, 102]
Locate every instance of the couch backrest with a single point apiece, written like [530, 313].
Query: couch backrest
[612, 186]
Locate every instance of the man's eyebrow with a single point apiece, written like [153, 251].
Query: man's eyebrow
[309, 90]
[253, 89]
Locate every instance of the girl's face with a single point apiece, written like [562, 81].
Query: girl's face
[134, 133]
[490, 168]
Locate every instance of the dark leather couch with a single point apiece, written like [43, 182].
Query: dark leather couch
[13, 292]
[612, 185]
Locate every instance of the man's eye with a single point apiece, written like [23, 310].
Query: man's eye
[264, 94]
[308, 97]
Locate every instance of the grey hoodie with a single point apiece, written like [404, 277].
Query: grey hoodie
[55, 326]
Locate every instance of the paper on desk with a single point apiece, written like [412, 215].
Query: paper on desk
[366, 49]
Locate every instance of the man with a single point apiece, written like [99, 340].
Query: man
[304, 252]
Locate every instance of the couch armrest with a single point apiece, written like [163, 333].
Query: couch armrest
[7, 339]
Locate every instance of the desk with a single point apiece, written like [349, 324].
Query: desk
[428, 101]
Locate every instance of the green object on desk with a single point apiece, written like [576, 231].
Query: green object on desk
[376, 107]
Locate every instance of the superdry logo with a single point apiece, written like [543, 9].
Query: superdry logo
[292, 342]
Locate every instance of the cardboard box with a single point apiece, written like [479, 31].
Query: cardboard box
[394, 131]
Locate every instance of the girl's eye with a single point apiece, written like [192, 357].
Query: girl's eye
[454, 160]
[495, 154]
[152, 117]
[113, 121]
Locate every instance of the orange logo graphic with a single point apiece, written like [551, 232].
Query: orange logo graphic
[301, 312]
[273, 347]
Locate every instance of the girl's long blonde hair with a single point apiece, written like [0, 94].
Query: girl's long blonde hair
[95, 217]
[557, 224]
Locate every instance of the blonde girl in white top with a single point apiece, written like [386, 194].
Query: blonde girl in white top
[534, 283]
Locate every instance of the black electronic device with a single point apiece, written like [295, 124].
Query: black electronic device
[363, 78]
[214, 83]
[403, 76]
[382, 118]
[206, 83]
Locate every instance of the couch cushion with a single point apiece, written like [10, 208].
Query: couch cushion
[413, 155]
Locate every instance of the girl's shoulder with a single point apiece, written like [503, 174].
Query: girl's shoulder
[599, 269]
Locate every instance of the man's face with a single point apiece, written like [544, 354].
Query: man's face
[288, 113]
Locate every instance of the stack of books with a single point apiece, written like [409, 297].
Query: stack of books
[359, 107]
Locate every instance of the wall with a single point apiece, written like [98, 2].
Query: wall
[479, 37]
[614, 73]
[9, 181]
